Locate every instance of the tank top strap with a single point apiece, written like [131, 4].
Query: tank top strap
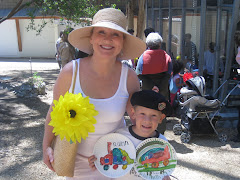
[77, 77]
[123, 80]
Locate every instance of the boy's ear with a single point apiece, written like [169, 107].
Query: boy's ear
[133, 112]
[162, 117]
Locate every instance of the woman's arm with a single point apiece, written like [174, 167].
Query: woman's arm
[133, 85]
[61, 86]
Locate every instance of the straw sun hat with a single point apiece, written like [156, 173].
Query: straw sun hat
[110, 18]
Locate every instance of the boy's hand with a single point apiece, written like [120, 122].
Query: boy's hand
[91, 160]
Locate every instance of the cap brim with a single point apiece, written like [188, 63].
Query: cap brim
[133, 47]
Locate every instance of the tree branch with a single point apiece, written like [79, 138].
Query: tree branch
[16, 9]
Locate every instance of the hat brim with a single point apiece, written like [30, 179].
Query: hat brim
[133, 47]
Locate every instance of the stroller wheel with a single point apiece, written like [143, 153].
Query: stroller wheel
[222, 137]
[177, 129]
[185, 137]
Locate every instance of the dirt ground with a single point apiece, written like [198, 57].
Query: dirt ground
[22, 126]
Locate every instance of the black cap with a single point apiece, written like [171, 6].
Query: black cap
[153, 100]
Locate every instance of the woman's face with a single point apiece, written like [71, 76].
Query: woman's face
[106, 42]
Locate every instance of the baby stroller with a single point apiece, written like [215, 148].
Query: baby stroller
[199, 112]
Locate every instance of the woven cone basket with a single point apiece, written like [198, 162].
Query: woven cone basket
[64, 157]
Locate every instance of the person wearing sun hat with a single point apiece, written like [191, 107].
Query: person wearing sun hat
[102, 77]
[149, 108]
[113, 19]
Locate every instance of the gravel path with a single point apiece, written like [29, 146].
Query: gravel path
[22, 125]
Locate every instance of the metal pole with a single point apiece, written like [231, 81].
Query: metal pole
[202, 36]
[230, 45]
[152, 10]
[218, 37]
[30, 60]
[183, 27]
[170, 28]
[146, 13]
[160, 18]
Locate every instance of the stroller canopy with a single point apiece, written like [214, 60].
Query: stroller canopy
[197, 84]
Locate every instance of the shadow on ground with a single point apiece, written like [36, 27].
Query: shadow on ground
[22, 122]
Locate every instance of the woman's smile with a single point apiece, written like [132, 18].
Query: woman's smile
[106, 47]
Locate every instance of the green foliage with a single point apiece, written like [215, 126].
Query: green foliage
[71, 10]
[36, 80]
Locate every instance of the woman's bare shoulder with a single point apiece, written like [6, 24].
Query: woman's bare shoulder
[67, 70]
[64, 80]
[133, 84]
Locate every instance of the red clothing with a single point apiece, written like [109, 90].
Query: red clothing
[155, 61]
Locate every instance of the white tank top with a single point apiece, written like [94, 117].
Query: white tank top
[110, 111]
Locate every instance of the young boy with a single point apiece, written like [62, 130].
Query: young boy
[149, 109]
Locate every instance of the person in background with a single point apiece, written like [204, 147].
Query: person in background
[66, 50]
[176, 81]
[190, 50]
[154, 68]
[80, 54]
[147, 31]
[130, 31]
[129, 62]
[58, 57]
[149, 109]
[209, 64]
[237, 41]
[103, 78]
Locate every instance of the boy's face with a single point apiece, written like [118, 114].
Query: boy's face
[147, 120]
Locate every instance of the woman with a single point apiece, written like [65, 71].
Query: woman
[66, 51]
[103, 78]
[154, 69]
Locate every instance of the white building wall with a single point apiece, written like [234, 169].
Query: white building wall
[8, 39]
[42, 45]
[35, 46]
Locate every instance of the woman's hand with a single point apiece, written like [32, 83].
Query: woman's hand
[91, 160]
[48, 158]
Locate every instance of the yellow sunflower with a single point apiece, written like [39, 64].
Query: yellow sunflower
[72, 117]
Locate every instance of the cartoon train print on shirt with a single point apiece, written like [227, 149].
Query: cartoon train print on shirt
[115, 157]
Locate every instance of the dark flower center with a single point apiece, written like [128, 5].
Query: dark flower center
[72, 113]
